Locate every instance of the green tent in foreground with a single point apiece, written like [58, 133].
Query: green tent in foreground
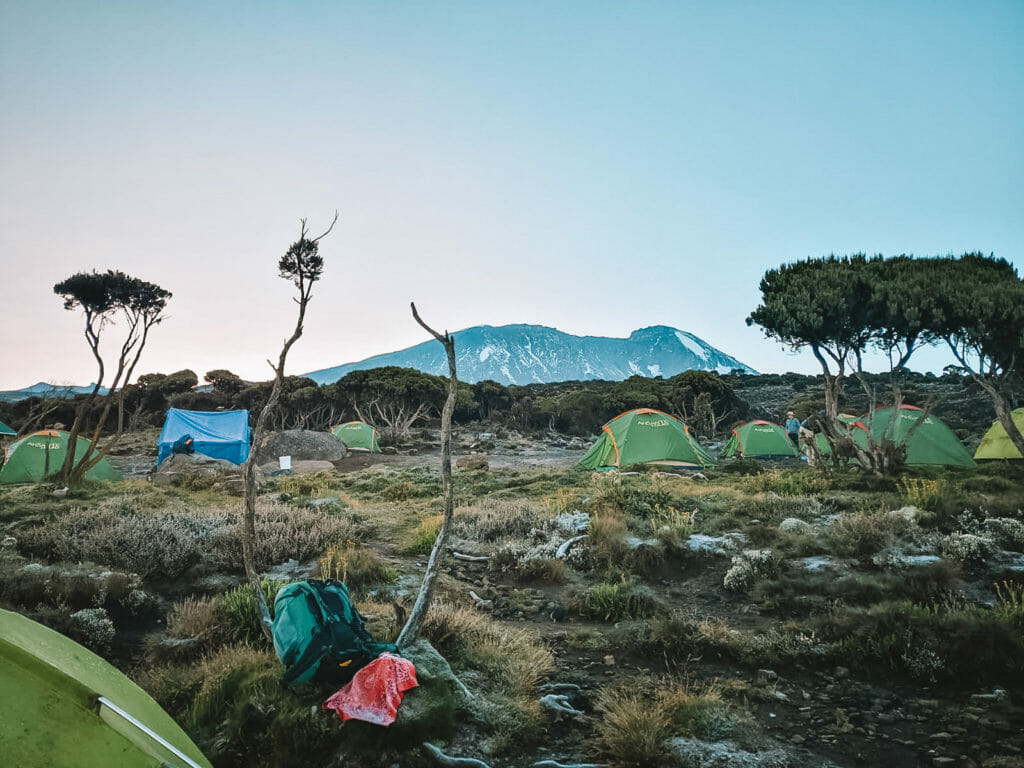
[357, 436]
[996, 444]
[6, 431]
[62, 705]
[932, 442]
[36, 456]
[759, 438]
[645, 436]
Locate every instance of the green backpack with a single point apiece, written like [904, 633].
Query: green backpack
[319, 635]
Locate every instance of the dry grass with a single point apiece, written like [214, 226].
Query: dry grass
[635, 723]
[511, 656]
[355, 565]
[862, 534]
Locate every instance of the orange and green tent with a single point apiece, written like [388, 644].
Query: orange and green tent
[39, 455]
[642, 436]
[996, 444]
[931, 442]
[62, 705]
[759, 438]
[357, 436]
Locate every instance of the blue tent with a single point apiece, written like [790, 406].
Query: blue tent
[218, 434]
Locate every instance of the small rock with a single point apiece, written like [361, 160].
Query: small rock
[609, 660]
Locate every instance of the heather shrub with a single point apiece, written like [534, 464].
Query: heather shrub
[167, 543]
[1006, 532]
[92, 628]
[786, 482]
[497, 519]
[749, 567]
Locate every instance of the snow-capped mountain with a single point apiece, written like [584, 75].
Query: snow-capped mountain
[531, 354]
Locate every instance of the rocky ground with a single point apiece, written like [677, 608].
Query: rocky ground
[810, 715]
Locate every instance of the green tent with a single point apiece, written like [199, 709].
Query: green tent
[858, 433]
[759, 438]
[996, 444]
[36, 456]
[5, 430]
[357, 436]
[62, 705]
[643, 436]
[931, 443]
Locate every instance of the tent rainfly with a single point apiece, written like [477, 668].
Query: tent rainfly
[996, 444]
[759, 438]
[217, 434]
[37, 456]
[6, 431]
[642, 436]
[357, 436]
[61, 704]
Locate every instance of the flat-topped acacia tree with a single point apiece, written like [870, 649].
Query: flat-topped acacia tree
[107, 299]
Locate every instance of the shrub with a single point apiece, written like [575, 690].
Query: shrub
[496, 519]
[424, 536]
[238, 612]
[355, 566]
[749, 567]
[862, 534]
[618, 600]
[635, 725]
[1006, 532]
[93, 628]
[1010, 601]
[787, 482]
[922, 492]
[169, 542]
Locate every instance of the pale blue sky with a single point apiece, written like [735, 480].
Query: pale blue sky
[596, 167]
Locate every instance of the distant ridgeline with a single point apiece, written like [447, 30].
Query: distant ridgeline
[536, 354]
[42, 389]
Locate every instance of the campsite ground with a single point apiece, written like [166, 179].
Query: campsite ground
[855, 623]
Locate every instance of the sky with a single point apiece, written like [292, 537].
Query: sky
[596, 167]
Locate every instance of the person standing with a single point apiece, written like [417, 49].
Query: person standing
[793, 427]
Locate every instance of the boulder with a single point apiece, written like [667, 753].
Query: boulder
[302, 444]
[428, 711]
[473, 461]
[194, 470]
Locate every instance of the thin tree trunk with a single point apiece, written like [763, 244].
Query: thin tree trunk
[419, 610]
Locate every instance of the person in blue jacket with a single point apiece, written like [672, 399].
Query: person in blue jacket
[793, 427]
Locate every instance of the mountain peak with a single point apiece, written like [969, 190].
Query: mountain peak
[532, 354]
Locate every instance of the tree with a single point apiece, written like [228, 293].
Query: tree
[106, 299]
[979, 313]
[840, 308]
[392, 398]
[224, 381]
[303, 265]
[419, 610]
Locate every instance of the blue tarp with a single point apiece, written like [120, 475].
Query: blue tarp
[218, 434]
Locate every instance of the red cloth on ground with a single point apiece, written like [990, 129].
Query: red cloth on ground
[375, 691]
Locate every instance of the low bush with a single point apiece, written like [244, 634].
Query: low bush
[618, 600]
[239, 613]
[169, 542]
[423, 536]
[862, 534]
[356, 566]
[636, 724]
